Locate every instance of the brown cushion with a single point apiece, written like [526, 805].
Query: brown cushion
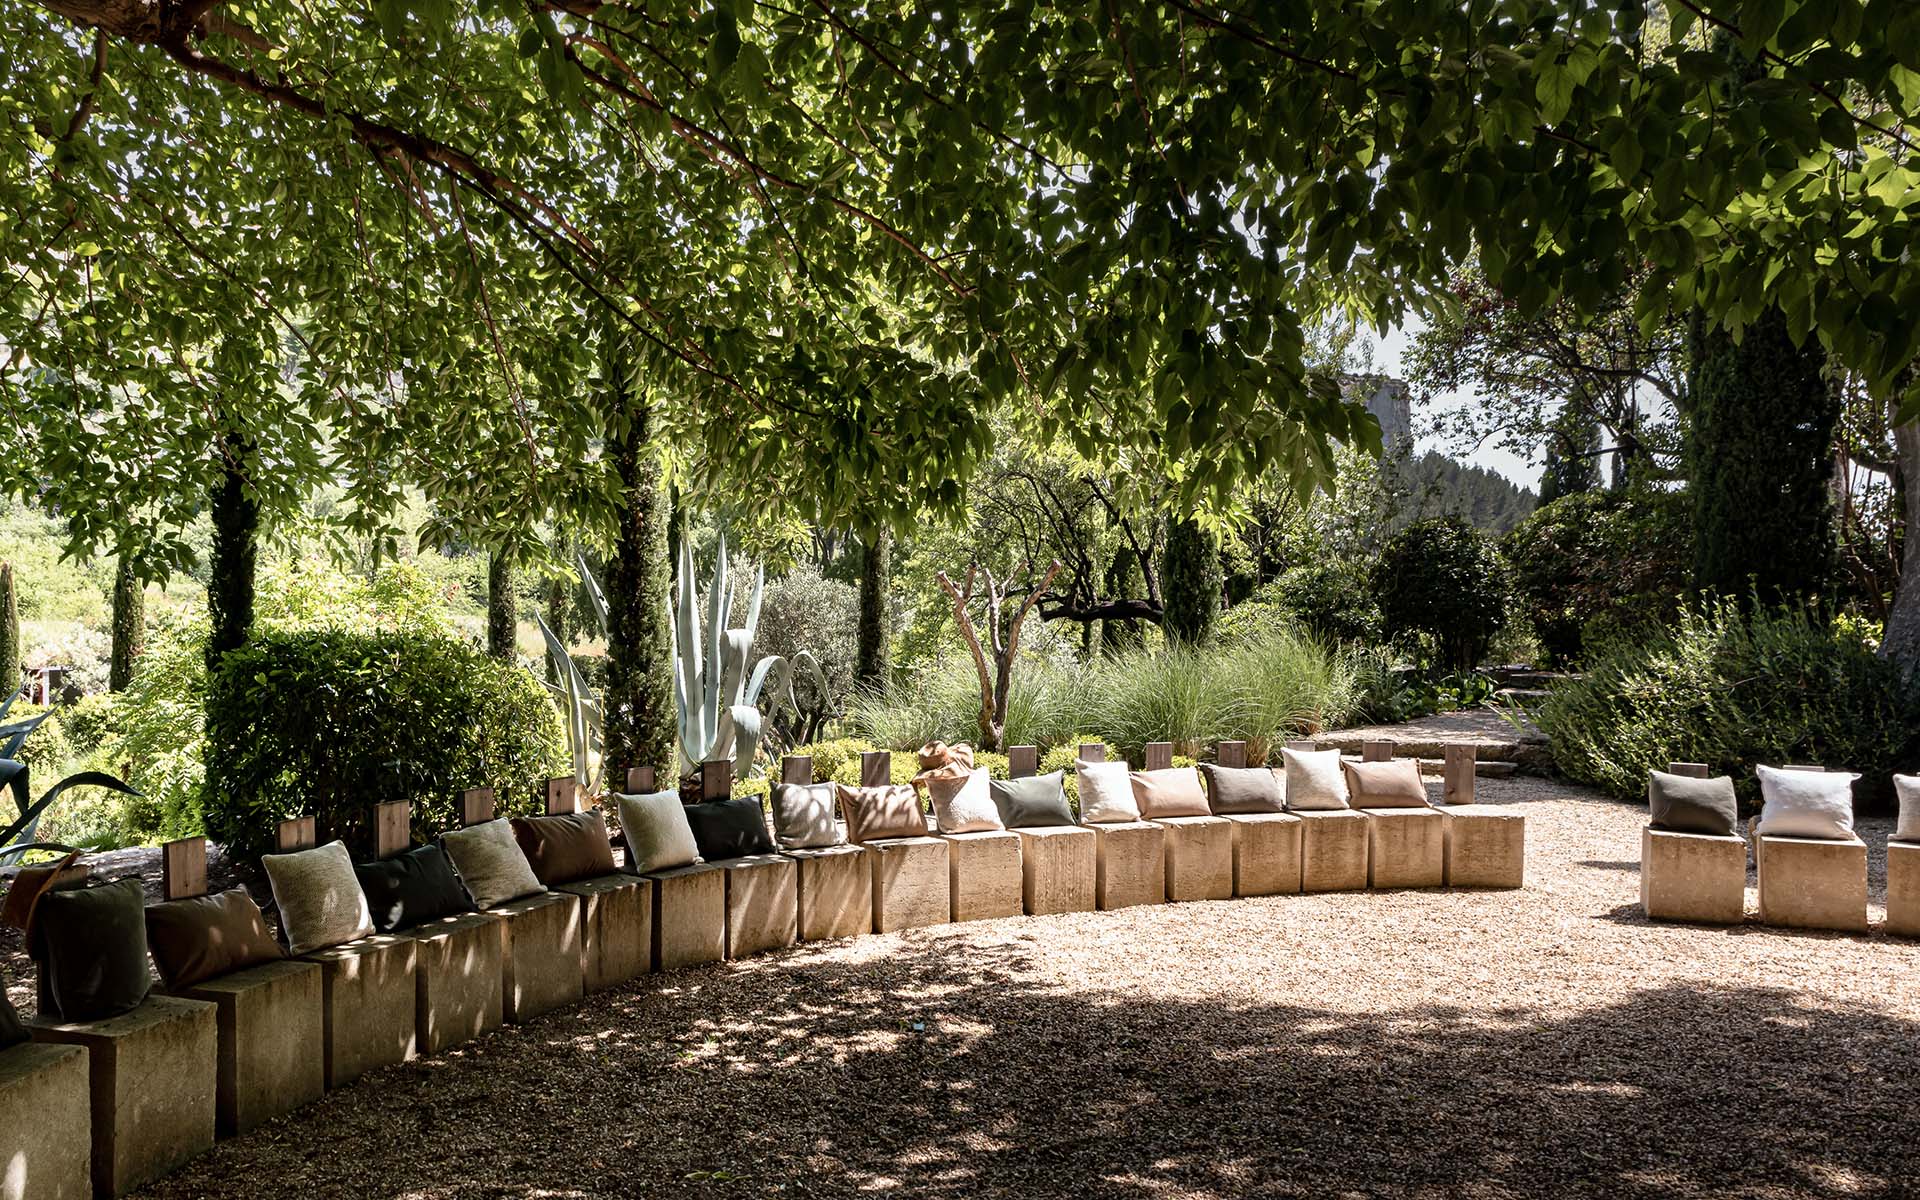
[881, 812]
[1391, 784]
[205, 937]
[1170, 792]
[565, 846]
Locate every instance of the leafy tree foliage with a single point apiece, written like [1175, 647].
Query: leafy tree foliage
[1442, 579]
[1572, 447]
[1595, 565]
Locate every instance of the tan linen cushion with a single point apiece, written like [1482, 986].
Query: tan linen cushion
[881, 812]
[1315, 781]
[1170, 792]
[1106, 793]
[962, 802]
[1391, 784]
[319, 897]
[491, 863]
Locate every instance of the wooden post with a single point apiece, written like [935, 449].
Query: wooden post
[183, 868]
[1693, 770]
[1022, 761]
[1230, 754]
[1376, 751]
[476, 806]
[1803, 767]
[1159, 756]
[797, 768]
[563, 796]
[639, 780]
[295, 833]
[1093, 752]
[392, 828]
[1457, 775]
[716, 779]
[876, 768]
[1303, 745]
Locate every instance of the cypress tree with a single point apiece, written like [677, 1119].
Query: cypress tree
[502, 612]
[1571, 466]
[1191, 578]
[872, 655]
[9, 635]
[129, 624]
[236, 527]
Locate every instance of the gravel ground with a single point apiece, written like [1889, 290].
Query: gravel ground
[1412, 1044]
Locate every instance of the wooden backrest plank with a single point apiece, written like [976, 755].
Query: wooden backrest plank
[1022, 761]
[1093, 752]
[1302, 745]
[183, 868]
[1231, 754]
[392, 828]
[797, 768]
[562, 795]
[295, 833]
[1457, 777]
[476, 806]
[639, 780]
[1689, 769]
[1378, 750]
[1159, 756]
[876, 768]
[716, 779]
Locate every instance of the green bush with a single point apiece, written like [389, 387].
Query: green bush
[1732, 691]
[89, 723]
[1332, 598]
[1600, 565]
[830, 757]
[331, 722]
[1442, 580]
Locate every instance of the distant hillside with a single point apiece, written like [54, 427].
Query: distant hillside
[1434, 485]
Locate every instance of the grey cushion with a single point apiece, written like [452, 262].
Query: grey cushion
[91, 947]
[491, 863]
[1035, 802]
[1243, 789]
[1684, 804]
[803, 815]
[319, 896]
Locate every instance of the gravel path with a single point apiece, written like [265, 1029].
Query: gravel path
[1416, 1044]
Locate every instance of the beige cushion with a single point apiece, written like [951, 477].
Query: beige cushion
[491, 863]
[1314, 779]
[804, 815]
[1170, 792]
[890, 811]
[1907, 789]
[1106, 793]
[659, 836]
[962, 802]
[1805, 804]
[1391, 784]
[319, 897]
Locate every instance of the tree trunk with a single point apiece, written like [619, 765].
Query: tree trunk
[638, 703]
[873, 656]
[9, 635]
[502, 614]
[1901, 643]
[129, 624]
[236, 527]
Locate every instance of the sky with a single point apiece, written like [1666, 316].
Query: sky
[1387, 351]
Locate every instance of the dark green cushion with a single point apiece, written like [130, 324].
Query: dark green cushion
[91, 948]
[1684, 804]
[726, 829]
[1031, 803]
[411, 889]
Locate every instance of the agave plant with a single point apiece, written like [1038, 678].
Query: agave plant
[579, 705]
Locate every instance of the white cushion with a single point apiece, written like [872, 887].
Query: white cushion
[491, 863]
[319, 896]
[1806, 804]
[1106, 793]
[1315, 781]
[658, 835]
[1907, 788]
[964, 804]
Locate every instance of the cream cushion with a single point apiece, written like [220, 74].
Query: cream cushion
[319, 897]
[1907, 788]
[491, 863]
[1106, 793]
[1805, 804]
[963, 803]
[1314, 779]
[659, 837]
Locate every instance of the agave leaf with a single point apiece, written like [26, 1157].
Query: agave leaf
[753, 606]
[772, 666]
[743, 721]
[595, 597]
[18, 692]
[717, 612]
[17, 838]
[733, 677]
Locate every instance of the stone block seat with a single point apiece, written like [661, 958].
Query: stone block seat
[689, 916]
[1198, 850]
[1406, 847]
[1266, 845]
[458, 988]
[1129, 864]
[1903, 888]
[270, 1022]
[46, 1109]
[152, 1078]
[1059, 864]
[984, 876]
[1485, 845]
[912, 882]
[616, 928]
[1334, 847]
[834, 890]
[1812, 883]
[369, 1014]
[1693, 876]
[762, 911]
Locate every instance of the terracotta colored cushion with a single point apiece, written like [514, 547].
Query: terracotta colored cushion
[205, 937]
[881, 812]
[1169, 792]
[1243, 789]
[564, 847]
[1391, 784]
[962, 801]
[1684, 804]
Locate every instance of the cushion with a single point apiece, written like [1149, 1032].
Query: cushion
[411, 889]
[1906, 789]
[205, 937]
[1169, 792]
[1394, 783]
[1314, 779]
[881, 812]
[564, 847]
[658, 836]
[12, 1032]
[963, 802]
[1685, 804]
[731, 828]
[1036, 802]
[91, 947]
[1807, 804]
[320, 900]
[491, 863]
[1106, 792]
[804, 815]
[1243, 789]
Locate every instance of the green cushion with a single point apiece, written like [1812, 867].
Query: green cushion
[1031, 803]
[1684, 804]
[91, 947]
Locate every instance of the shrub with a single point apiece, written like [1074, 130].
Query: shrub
[1190, 580]
[1732, 690]
[1443, 580]
[90, 722]
[1600, 564]
[829, 757]
[1331, 598]
[329, 722]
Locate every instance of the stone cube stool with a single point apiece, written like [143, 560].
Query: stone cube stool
[1693, 876]
[983, 874]
[616, 928]
[1129, 864]
[539, 954]
[458, 992]
[689, 916]
[152, 1075]
[1199, 858]
[46, 1111]
[1058, 866]
[1485, 846]
[1903, 888]
[1266, 853]
[763, 904]
[1333, 849]
[271, 1023]
[1407, 847]
[835, 889]
[912, 884]
[1810, 883]
[369, 1016]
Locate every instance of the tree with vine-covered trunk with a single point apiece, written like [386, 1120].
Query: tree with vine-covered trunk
[873, 643]
[236, 529]
[129, 624]
[9, 635]
[503, 615]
